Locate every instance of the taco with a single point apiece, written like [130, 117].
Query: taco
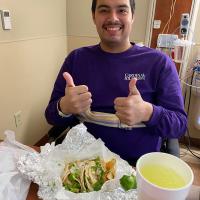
[87, 175]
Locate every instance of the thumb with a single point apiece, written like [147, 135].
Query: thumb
[132, 87]
[69, 79]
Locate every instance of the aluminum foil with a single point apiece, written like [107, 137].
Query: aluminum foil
[45, 168]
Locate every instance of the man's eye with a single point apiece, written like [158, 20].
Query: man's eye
[123, 11]
[103, 11]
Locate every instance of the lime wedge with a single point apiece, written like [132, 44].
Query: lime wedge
[128, 182]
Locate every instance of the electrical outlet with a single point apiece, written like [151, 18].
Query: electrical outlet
[18, 118]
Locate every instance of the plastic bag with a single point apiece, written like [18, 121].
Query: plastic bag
[13, 186]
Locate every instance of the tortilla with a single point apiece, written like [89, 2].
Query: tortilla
[88, 175]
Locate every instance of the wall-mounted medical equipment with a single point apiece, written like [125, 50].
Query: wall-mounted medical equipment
[175, 44]
[184, 24]
[165, 43]
[179, 48]
[166, 40]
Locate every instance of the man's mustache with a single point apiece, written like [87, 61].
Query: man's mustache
[113, 24]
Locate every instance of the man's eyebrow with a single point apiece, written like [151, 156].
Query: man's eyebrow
[103, 6]
[123, 6]
[106, 6]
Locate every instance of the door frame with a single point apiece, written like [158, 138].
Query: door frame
[187, 53]
[149, 29]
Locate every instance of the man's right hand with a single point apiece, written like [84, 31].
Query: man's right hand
[77, 99]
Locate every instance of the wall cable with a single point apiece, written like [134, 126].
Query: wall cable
[173, 3]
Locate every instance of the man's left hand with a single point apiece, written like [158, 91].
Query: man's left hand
[133, 109]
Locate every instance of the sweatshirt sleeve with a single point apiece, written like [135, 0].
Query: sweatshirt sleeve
[51, 112]
[169, 118]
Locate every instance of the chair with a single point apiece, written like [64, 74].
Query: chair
[58, 133]
[171, 146]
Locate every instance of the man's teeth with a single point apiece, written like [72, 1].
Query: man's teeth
[113, 28]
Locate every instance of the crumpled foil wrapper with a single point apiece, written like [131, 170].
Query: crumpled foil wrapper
[45, 168]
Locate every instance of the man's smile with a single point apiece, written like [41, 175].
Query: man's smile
[113, 28]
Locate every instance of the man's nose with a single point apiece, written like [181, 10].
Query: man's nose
[113, 16]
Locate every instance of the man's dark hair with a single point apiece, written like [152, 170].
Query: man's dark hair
[132, 4]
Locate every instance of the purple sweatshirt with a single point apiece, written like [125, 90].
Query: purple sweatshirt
[107, 76]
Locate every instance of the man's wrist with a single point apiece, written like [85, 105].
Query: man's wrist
[148, 111]
[60, 113]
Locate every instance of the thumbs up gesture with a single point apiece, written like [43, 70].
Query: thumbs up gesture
[77, 99]
[133, 109]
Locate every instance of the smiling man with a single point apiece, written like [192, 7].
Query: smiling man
[113, 20]
[137, 85]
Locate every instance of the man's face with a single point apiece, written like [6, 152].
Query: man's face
[113, 20]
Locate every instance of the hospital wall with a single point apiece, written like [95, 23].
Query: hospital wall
[30, 57]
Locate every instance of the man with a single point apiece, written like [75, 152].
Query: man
[138, 84]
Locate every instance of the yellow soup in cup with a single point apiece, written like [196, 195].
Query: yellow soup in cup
[162, 176]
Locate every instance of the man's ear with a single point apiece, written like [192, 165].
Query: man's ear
[133, 18]
[93, 17]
